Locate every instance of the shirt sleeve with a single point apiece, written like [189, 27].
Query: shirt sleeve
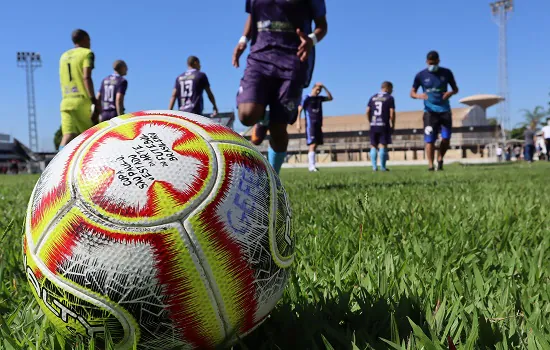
[318, 8]
[392, 102]
[123, 86]
[205, 81]
[324, 98]
[89, 60]
[177, 86]
[248, 6]
[417, 82]
[452, 81]
[304, 100]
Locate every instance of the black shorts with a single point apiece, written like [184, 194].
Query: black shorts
[435, 123]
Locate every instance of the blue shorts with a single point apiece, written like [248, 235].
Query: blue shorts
[435, 123]
[379, 136]
[314, 134]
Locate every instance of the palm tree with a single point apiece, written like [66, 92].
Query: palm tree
[534, 117]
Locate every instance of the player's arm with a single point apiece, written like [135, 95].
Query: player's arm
[119, 100]
[367, 113]
[212, 99]
[319, 11]
[453, 85]
[416, 85]
[243, 41]
[392, 113]
[174, 96]
[329, 95]
[298, 119]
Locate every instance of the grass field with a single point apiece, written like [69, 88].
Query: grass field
[403, 260]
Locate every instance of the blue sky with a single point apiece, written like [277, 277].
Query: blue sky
[368, 42]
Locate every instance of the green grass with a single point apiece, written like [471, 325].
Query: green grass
[399, 260]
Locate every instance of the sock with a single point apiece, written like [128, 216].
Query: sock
[311, 157]
[383, 158]
[373, 156]
[276, 159]
[60, 148]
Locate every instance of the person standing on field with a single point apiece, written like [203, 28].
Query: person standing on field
[381, 113]
[112, 91]
[530, 140]
[437, 108]
[312, 105]
[77, 88]
[546, 136]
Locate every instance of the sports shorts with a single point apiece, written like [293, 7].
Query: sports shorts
[436, 123]
[379, 136]
[314, 134]
[76, 115]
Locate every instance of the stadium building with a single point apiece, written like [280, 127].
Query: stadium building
[346, 138]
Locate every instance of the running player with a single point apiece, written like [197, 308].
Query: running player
[279, 66]
[77, 88]
[437, 108]
[313, 106]
[381, 113]
[189, 88]
[112, 92]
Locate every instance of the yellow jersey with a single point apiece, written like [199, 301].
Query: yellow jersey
[71, 72]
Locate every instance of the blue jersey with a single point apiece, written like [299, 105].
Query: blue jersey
[380, 106]
[313, 108]
[434, 84]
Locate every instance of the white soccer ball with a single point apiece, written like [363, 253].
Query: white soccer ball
[161, 229]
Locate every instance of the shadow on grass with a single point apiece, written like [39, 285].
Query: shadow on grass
[304, 326]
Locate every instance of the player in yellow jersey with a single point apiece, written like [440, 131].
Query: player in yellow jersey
[77, 88]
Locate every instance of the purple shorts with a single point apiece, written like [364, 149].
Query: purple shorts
[107, 115]
[281, 95]
[379, 136]
[314, 134]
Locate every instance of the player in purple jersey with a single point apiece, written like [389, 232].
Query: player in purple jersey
[189, 89]
[312, 105]
[381, 113]
[279, 66]
[112, 91]
[437, 108]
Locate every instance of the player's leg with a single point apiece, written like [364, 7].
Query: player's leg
[68, 128]
[311, 156]
[446, 122]
[251, 102]
[384, 140]
[283, 103]
[430, 134]
[374, 142]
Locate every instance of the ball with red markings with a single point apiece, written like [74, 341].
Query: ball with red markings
[160, 230]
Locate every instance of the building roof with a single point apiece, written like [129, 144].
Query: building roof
[15, 150]
[484, 101]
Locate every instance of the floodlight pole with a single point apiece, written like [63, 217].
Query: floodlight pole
[30, 61]
[501, 11]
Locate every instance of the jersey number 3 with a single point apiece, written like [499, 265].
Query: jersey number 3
[377, 111]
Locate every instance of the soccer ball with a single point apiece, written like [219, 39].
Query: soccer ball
[159, 229]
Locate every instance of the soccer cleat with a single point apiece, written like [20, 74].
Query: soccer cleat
[313, 170]
[431, 169]
[374, 169]
[259, 132]
[384, 169]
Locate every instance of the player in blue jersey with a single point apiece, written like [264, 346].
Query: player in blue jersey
[381, 113]
[279, 66]
[434, 81]
[312, 105]
[189, 88]
[112, 91]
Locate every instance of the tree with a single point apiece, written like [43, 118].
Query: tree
[535, 116]
[517, 133]
[57, 138]
[492, 121]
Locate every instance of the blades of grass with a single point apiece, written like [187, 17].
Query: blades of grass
[328, 346]
[392, 344]
[422, 338]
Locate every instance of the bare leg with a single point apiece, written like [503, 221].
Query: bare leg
[443, 147]
[66, 139]
[430, 152]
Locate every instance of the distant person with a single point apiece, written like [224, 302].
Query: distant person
[437, 108]
[312, 105]
[530, 140]
[189, 89]
[546, 136]
[508, 154]
[112, 91]
[77, 88]
[381, 114]
[517, 152]
[499, 153]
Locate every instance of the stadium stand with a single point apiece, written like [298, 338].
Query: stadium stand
[346, 137]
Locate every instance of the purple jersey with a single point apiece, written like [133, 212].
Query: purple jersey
[274, 39]
[313, 108]
[110, 87]
[189, 89]
[380, 105]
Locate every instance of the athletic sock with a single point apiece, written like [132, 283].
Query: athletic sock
[373, 157]
[311, 157]
[276, 159]
[383, 158]
[60, 148]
